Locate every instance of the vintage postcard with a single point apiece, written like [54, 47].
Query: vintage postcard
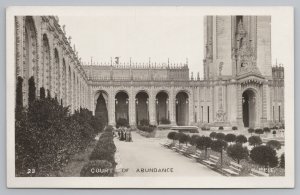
[150, 97]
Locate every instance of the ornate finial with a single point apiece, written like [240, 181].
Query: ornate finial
[187, 61]
[168, 62]
[192, 76]
[198, 76]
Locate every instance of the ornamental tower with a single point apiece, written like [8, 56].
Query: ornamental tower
[237, 46]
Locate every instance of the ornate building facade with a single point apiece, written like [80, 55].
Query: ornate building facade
[240, 86]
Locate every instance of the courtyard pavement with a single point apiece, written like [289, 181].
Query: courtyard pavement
[147, 153]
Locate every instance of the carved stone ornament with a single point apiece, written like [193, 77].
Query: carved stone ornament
[220, 116]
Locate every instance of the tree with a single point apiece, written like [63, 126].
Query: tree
[220, 136]
[282, 161]
[276, 145]
[241, 139]
[172, 135]
[251, 130]
[31, 89]
[19, 97]
[254, 141]
[183, 138]
[237, 152]
[203, 143]
[230, 137]
[144, 122]
[259, 131]
[219, 146]
[265, 156]
[266, 129]
[212, 135]
[42, 93]
[193, 140]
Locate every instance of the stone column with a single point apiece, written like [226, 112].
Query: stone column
[239, 95]
[172, 108]
[191, 108]
[111, 108]
[151, 108]
[132, 108]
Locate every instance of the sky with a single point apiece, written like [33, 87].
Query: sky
[158, 34]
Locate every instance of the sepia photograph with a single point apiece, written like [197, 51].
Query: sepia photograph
[150, 97]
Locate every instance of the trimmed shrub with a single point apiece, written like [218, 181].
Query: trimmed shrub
[251, 130]
[221, 128]
[282, 161]
[144, 122]
[254, 141]
[193, 140]
[276, 145]
[234, 128]
[31, 90]
[219, 146]
[101, 153]
[213, 135]
[122, 122]
[237, 152]
[203, 143]
[148, 129]
[205, 128]
[259, 131]
[230, 137]
[97, 168]
[172, 135]
[264, 155]
[183, 138]
[19, 93]
[266, 129]
[241, 139]
[220, 136]
[165, 121]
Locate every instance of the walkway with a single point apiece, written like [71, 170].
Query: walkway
[145, 153]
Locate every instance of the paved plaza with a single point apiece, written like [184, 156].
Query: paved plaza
[147, 154]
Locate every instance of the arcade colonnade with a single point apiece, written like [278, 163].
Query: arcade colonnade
[44, 52]
[136, 104]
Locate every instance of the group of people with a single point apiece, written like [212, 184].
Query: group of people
[124, 134]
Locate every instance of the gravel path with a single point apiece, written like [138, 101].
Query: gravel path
[147, 153]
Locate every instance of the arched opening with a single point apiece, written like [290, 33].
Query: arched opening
[182, 108]
[101, 107]
[46, 63]
[249, 108]
[142, 109]
[162, 105]
[30, 66]
[121, 106]
[56, 74]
